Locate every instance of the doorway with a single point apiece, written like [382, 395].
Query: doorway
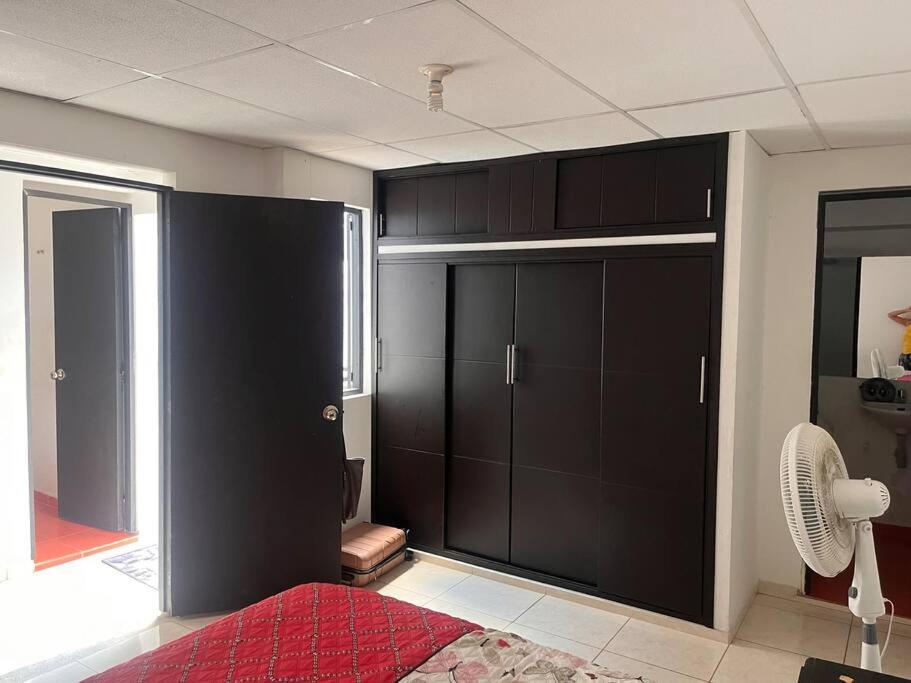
[89, 570]
[83, 405]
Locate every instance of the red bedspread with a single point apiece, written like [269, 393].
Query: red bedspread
[313, 632]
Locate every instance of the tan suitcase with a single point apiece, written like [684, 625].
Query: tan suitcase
[371, 550]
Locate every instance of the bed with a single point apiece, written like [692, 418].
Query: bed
[325, 632]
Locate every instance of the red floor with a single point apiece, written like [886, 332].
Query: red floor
[58, 541]
[893, 556]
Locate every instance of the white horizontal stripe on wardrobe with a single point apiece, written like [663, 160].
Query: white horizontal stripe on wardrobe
[630, 240]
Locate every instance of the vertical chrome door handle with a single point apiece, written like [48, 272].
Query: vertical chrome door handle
[379, 354]
[708, 203]
[509, 363]
[702, 380]
[512, 363]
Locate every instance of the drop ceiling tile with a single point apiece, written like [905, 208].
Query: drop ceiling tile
[284, 80]
[285, 19]
[743, 112]
[49, 71]
[642, 53]
[376, 157]
[589, 131]
[495, 83]
[787, 139]
[828, 39]
[152, 35]
[480, 144]
[862, 111]
[167, 103]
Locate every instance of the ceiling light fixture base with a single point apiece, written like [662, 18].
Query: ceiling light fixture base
[435, 74]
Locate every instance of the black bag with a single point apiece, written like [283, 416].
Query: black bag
[878, 390]
[352, 476]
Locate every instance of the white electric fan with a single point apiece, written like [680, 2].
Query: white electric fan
[829, 518]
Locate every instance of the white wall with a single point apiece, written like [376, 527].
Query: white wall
[197, 162]
[797, 180]
[304, 176]
[15, 492]
[746, 230]
[885, 285]
[74, 137]
[146, 367]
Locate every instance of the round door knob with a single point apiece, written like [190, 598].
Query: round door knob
[58, 374]
[330, 413]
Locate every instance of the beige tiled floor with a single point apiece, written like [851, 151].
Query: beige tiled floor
[63, 612]
[771, 645]
[777, 635]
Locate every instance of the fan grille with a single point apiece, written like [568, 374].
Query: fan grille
[810, 463]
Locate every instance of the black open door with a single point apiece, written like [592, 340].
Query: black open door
[252, 362]
[88, 329]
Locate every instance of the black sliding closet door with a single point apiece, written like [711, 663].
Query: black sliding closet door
[482, 299]
[556, 418]
[410, 386]
[653, 454]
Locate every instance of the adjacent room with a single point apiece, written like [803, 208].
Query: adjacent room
[455, 340]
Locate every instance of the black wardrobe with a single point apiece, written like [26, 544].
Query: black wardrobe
[551, 412]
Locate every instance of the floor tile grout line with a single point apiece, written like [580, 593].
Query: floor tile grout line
[603, 649]
[773, 647]
[611, 639]
[720, 659]
[564, 637]
[657, 666]
[441, 597]
[629, 619]
[808, 613]
[844, 658]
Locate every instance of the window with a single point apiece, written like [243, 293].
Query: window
[352, 278]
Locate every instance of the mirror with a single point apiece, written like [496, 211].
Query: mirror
[864, 312]
[862, 330]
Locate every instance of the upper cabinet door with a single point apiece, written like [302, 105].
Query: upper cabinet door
[401, 216]
[578, 192]
[436, 205]
[686, 179]
[471, 203]
[590, 191]
[521, 197]
[628, 188]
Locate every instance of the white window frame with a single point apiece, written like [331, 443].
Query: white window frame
[353, 301]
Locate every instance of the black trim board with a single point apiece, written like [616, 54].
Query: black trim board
[33, 169]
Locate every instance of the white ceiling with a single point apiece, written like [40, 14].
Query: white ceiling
[339, 77]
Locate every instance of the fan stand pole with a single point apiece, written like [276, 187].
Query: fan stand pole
[865, 598]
